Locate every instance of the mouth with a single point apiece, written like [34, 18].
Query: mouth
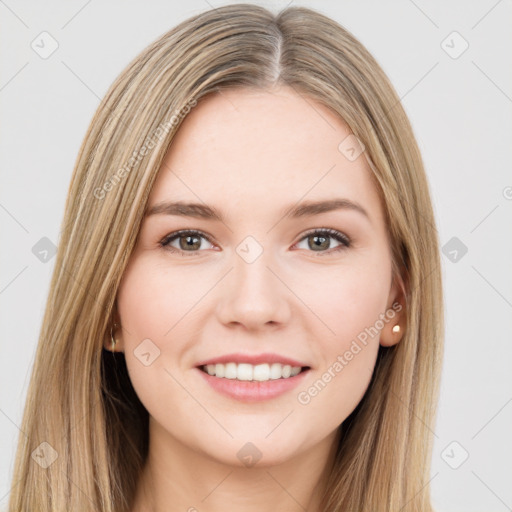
[253, 373]
[253, 377]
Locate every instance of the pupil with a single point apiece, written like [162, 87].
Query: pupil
[317, 237]
[189, 244]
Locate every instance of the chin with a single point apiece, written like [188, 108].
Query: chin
[259, 453]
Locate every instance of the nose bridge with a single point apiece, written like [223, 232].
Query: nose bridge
[253, 295]
[253, 278]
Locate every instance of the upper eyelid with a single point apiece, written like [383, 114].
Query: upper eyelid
[175, 234]
[334, 233]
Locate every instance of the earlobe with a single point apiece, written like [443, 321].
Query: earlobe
[112, 341]
[394, 328]
[392, 333]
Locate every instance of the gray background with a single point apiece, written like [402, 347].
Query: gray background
[459, 105]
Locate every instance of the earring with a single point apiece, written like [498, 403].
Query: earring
[112, 339]
[396, 328]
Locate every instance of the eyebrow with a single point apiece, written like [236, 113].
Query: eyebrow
[304, 209]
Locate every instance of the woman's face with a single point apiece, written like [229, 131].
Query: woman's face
[258, 283]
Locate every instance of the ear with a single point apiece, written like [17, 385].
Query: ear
[114, 330]
[395, 314]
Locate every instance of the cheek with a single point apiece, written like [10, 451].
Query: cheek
[151, 306]
[156, 310]
[155, 302]
[350, 305]
[348, 300]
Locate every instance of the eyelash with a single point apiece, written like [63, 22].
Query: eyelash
[333, 233]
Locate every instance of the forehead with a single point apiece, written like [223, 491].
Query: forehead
[244, 148]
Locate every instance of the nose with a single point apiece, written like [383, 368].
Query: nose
[253, 295]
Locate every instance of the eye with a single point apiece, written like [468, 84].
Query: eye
[318, 240]
[188, 241]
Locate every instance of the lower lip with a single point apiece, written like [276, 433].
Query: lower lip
[252, 391]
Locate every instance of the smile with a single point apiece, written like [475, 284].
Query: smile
[273, 380]
[248, 372]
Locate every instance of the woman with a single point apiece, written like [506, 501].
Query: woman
[246, 308]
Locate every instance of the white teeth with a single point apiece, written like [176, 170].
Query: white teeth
[259, 372]
[295, 370]
[244, 372]
[230, 371]
[219, 370]
[276, 371]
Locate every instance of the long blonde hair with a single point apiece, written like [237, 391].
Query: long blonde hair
[81, 407]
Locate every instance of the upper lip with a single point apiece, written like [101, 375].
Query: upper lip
[252, 359]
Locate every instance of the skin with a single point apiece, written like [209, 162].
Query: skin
[250, 154]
